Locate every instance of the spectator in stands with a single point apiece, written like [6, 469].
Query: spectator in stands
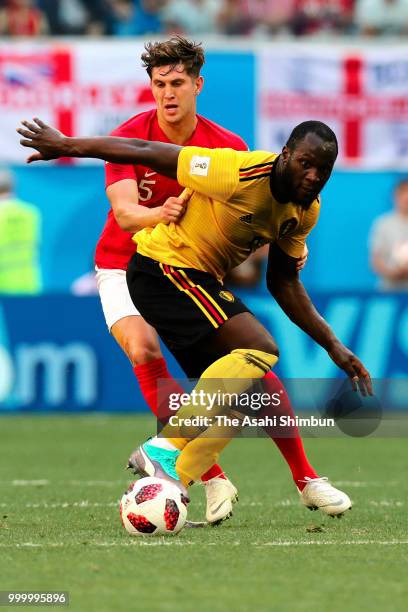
[73, 16]
[124, 18]
[22, 18]
[234, 18]
[76, 17]
[190, 16]
[149, 15]
[389, 242]
[98, 14]
[319, 16]
[136, 17]
[271, 16]
[50, 8]
[19, 242]
[375, 17]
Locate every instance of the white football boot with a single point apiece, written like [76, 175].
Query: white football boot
[320, 494]
[221, 495]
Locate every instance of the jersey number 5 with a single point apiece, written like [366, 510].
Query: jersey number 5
[145, 193]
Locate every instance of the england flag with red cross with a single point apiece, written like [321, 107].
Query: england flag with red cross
[361, 93]
[83, 89]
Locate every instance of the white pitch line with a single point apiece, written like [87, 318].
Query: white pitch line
[85, 503]
[74, 483]
[98, 483]
[78, 504]
[180, 542]
[30, 483]
[135, 542]
[336, 543]
[362, 483]
[386, 503]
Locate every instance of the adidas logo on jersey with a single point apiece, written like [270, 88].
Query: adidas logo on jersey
[246, 219]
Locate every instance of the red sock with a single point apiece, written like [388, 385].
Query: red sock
[291, 447]
[214, 472]
[147, 375]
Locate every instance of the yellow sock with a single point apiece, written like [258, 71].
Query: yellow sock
[203, 451]
[234, 374]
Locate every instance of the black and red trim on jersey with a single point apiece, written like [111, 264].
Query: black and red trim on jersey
[255, 172]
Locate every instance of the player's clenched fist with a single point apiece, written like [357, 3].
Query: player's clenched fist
[173, 209]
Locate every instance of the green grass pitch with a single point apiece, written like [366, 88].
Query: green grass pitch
[61, 479]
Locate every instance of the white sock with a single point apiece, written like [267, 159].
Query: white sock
[162, 443]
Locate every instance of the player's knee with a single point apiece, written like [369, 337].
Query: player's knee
[139, 354]
[263, 360]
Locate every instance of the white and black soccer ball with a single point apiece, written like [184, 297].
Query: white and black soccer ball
[153, 506]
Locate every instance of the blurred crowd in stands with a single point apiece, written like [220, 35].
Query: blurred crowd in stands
[257, 18]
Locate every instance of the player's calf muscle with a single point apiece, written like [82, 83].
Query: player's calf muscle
[137, 340]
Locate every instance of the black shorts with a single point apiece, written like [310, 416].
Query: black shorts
[183, 304]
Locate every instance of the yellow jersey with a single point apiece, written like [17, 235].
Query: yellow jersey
[231, 213]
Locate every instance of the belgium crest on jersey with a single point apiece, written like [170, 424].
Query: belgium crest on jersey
[227, 296]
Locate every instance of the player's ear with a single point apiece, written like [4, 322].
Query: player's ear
[285, 154]
[199, 85]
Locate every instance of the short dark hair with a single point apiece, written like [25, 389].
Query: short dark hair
[312, 127]
[176, 50]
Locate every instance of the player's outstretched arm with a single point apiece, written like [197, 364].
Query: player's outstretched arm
[285, 286]
[51, 144]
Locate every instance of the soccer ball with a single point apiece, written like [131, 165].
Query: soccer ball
[153, 506]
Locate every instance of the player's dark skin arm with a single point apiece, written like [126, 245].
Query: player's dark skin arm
[51, 144]
[286, 287]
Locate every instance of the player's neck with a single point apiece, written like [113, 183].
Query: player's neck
[276, 183]
[179, 133]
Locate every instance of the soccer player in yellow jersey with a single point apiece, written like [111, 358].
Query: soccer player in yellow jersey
[239, 201]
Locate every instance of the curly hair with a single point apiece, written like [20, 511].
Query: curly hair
[176, 50]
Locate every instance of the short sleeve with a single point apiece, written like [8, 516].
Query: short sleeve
[118, 172]
[294, 244]
[212, 172]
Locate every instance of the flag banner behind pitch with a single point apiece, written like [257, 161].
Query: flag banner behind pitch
[362, 94]
[87, 88]
[82, 88]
